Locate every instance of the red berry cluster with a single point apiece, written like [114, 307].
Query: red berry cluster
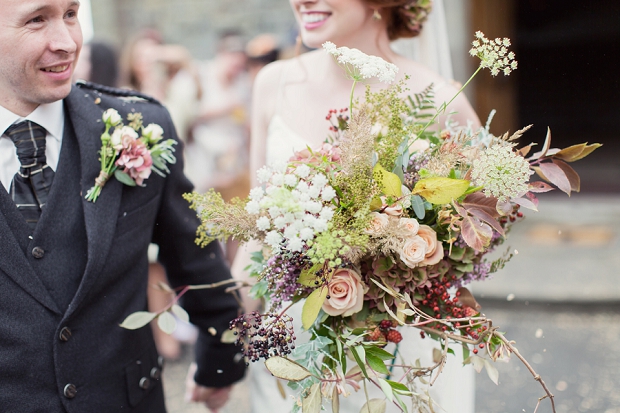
[385, 332]
[341, 119]
[441, 305]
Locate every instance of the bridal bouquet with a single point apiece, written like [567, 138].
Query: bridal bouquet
[379, 230]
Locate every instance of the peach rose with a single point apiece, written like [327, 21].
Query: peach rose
[411, 224]
[413, 251]
[434, 248]
[394, 210]
[378, 223]
[346, 293]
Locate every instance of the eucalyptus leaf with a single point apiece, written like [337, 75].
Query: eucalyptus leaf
[124, 178]
[138, 320]
[286, 369]
[417, 203]
[181, 314]
[166, 322]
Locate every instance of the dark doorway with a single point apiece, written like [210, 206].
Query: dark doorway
[568, 79]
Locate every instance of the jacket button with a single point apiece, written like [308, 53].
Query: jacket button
[65, 334]
[70, 391]
[155, 373]
[144, 383]
[160, 362]
[38, 252]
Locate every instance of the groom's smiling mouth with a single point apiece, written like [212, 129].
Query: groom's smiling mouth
[56, 69]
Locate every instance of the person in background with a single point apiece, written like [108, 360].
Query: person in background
[261, 50]
[98, 63]
[167, 73]
[217, 154]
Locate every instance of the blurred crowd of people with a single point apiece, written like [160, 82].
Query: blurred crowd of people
[209, 102]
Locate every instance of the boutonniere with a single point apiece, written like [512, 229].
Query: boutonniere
[131, 152]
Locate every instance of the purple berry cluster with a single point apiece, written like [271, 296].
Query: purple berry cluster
[264, 335]
[281, 274]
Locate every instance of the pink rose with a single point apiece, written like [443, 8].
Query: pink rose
[378, 223]
[434, 248]
[135, 160]
[346, 293]
[395, 209]
[413, 251]
[316, 157]
[410, 224]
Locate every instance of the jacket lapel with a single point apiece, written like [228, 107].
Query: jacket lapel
[100, 217]
[12, 259]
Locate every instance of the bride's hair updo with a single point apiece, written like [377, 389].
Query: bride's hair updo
[403, 18]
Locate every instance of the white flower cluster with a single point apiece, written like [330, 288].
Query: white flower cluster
[294, 207]
[502, 173]
[494, 54]
[360, 65]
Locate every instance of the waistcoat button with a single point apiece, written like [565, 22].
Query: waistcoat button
[144, 383]
[38, 252]
[65, 334]
[70, 391]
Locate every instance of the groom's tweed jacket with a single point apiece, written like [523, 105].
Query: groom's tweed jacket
[65, 289]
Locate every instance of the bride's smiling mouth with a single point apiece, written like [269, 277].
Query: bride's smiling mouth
[312, 20]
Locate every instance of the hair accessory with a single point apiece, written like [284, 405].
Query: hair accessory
[417, 12]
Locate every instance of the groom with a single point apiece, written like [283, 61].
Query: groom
[72, 270]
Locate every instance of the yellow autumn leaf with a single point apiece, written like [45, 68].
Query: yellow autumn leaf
[312, 306]
[438, 190]
[389, 182]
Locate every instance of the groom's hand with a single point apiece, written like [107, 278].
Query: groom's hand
[213, 397]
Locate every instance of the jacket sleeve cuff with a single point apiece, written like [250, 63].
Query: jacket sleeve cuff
[219, 364]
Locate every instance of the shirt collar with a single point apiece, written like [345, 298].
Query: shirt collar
[51, 116]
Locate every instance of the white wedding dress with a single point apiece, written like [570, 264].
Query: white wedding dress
[454, 390]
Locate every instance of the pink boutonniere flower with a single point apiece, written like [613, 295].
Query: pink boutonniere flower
[130, 153]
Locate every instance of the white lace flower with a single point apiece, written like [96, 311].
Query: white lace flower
[252, 207]
[327, 214]
[328, 194]
[319, 180]
[302, 187]
[360, 66]
[290, 232]
[273, 239]
[290, 180]
[257, 193]
[279, 222]
[320, 225]
[295, 244]
[277, 179]
[493, 54]
[306, 234]
[263, 223]
[302, 171]
[314, 191]
[501, 172]
[263, 174]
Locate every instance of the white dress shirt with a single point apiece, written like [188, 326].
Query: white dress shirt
[51, 116]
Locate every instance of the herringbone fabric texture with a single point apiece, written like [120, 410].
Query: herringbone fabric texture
[31, 184]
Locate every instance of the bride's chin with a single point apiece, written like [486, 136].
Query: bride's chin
[313, 41]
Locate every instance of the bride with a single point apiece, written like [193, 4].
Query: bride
[291, 99]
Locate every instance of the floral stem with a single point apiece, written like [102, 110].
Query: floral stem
[442, 109]
[351, 97]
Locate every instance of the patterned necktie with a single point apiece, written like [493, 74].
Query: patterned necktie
[31, 185]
